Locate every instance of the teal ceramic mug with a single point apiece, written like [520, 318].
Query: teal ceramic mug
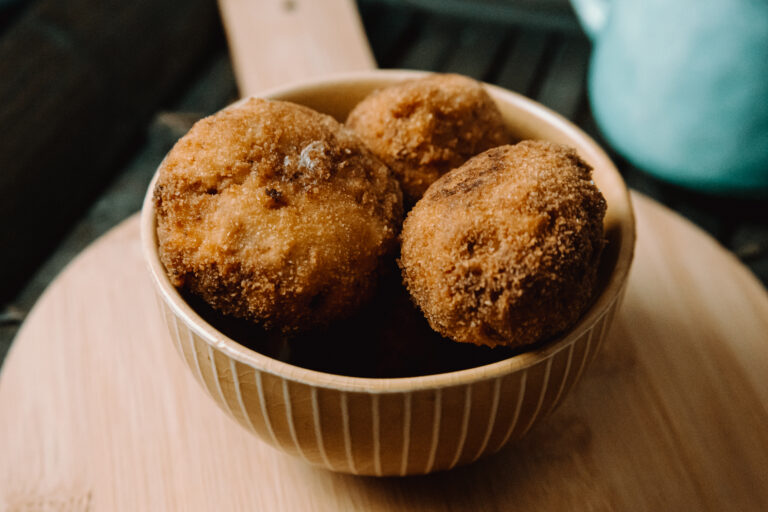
[680, 88]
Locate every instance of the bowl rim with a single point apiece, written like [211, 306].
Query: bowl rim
[611, 292]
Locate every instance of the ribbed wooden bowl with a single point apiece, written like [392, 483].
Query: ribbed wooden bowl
[413, 425]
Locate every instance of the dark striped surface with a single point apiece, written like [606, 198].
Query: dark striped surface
[546, 63]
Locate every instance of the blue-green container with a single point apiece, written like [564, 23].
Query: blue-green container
[680, 88]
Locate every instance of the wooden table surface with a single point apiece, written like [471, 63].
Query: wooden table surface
[671, 415]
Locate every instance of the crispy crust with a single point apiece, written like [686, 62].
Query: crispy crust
[276, 213]
[504, 250]
[424, 128]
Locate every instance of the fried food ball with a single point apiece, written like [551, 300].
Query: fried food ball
[424, 128]
[504, 250]
[276, 213]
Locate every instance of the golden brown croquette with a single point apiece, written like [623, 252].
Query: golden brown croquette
[504, 250]
[276, 213]
[423, 128]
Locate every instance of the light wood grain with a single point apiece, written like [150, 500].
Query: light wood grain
[275, 42]
[98, 411]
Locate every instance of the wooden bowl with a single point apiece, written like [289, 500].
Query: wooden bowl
[414, 425]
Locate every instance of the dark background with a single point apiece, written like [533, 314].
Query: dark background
[93, 94]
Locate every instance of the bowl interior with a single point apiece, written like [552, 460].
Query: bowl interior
[336, 96]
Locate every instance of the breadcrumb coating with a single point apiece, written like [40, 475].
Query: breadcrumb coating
[423, 128]
[504, 250]
[276, 213]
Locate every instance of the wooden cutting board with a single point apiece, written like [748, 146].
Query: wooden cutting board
[98, 413]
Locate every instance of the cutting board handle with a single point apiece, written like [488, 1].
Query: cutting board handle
[275, 42]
